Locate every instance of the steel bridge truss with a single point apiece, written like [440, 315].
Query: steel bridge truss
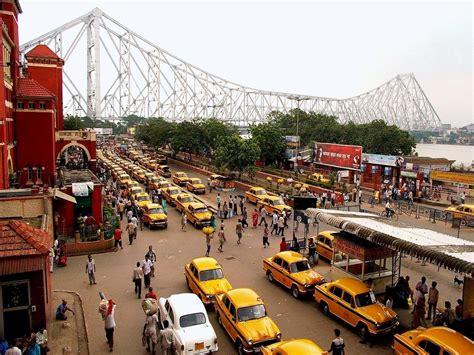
[127, 74]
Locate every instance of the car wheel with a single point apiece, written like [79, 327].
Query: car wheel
[295, 292]
[362, 331]
[325, 308]
[270, 276]
[240, 348]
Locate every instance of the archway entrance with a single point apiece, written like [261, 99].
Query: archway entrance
[74, 157]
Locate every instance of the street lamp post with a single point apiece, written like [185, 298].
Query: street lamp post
[298, 99]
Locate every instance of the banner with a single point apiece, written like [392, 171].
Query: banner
[451, 176]
[103, 130]
[338, 155]
[379, 159]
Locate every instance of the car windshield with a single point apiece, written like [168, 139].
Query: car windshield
[200, 210]
[174, 191]
[192, 319]
[180, 174]
[213, 274]
[252, 312]
[260, 192]
[187, 199]
[299, 266]
[155, 210]
[196, 181]
[142, 198]
[165, 168]
[365, 299]
[278, 202]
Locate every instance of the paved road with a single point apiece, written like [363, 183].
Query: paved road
[242, 266]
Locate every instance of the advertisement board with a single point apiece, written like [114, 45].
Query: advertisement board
[103, 130]
[451, 176]
[338, 155]
[379, 159]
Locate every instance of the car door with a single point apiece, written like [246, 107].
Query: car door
[285, 274]
[277, 271]
[267, 204]
[348, 308]
[431, 348]
[336, 304]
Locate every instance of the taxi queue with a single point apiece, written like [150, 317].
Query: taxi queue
[241, 312]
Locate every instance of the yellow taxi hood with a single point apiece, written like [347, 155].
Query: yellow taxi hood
[203, 215]
[158, 216]
[216, 287]
[308, 277]
[143, 203]
[377, 312]
[259, 329]
[198, 186]
[283, 207]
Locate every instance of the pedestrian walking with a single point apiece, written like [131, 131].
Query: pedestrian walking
[90, 269]
[109, 324]
[265, 236]
[137, 279]
[146, 266]
[208, 242]
[121, 207]
[244, 218]
[131, 229]
[254, 218]
[274, 223]
[239, 230]
[165, 338]
[165, 207]
[222, 240]
[236, 206]
[152, 256]
[241, 205]
[433, 296]
[225, 209]
[150, 332]
[337, 345]
[231, 206]
[312, 256]
[281, 226]
[184, 221]
[118, 238]
[129, 214]
[283, 245]
[218, 200]
[263, 214]
[151, 293]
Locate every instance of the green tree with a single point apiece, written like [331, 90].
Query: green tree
[212, 130]
[73, 123]
[270, 140]
[236, 154]
[187, 137]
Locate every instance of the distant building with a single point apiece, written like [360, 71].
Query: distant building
[469, 128]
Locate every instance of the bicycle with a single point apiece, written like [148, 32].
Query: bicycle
[392, 216]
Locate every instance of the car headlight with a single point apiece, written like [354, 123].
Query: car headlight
[306, 285]
[250, 342]
[278, 336]
[377, 325]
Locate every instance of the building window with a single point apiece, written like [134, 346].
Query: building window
[42, 106]
[39, 175]
[31, 105]
[20, 105]
[30, 174]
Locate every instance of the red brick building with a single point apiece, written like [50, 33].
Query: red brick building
[25, 297]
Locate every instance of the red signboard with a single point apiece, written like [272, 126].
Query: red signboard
[338, 155]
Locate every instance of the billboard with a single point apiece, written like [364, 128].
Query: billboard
[379, 159]
[338, 155]
[103, 130]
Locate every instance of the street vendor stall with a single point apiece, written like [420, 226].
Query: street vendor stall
[363, 260]
[221, 183]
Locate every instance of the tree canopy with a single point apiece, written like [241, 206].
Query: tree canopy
[269, 138]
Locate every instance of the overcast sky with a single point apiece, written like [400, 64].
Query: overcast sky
[331, 49]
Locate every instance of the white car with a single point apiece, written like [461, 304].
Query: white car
[187, 317]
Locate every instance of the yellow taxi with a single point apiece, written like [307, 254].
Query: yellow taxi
[124, 180]
[182, 201]
[163, 184]
[152, 164]
[154, 216]
[324, 242]
[436, 340]
[204, 277]
[293, 271]
[139, 175]
[180, 178]
[135, 190]
[154, 181]
[132, 183]
[196, 186]
[171, 193]
[318, 178]
[149, 176]
[243, 315]
[164, 170]
[461, 210]
[293, 346]
[255, 193]
[117, 171]
[198, 214]
[274, 204]
[132, 169]
[353, 302]
[142, 199]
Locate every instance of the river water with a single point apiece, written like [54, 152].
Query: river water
[463, 154]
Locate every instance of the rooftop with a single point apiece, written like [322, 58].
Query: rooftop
[74, 176]
[427, 160]
[31, 88]
[41, 51]
[20, 239]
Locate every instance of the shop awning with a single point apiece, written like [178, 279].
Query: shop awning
[61, 195]
[437, 248]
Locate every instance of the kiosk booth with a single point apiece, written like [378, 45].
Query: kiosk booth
[221, 183]
[364, 260]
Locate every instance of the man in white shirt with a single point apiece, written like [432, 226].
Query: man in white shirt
[281, 226]
[274, 223]
[90, 269]
[109, 324]
[150, 332]
[166, 339]
[146, 266]
[14, 350]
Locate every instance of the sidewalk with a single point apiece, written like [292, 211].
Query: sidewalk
[69, 336]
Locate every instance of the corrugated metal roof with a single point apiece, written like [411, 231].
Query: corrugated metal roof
[9, 266]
